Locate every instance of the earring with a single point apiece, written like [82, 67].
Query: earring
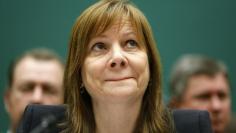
[82, 88]
[149, 82]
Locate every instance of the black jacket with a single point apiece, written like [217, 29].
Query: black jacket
[45, 119]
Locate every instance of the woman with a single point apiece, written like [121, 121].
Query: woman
[113, 76]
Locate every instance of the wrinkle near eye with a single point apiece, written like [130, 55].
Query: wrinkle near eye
[131, 44]
[98, 46]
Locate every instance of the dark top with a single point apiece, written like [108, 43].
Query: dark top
[45, 119]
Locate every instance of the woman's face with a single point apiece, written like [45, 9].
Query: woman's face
[116, 65]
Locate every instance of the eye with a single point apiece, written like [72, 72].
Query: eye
[49, 89]
[203, 97]
[27, 87]
[222, 95]
[131, 44]
[98, 46]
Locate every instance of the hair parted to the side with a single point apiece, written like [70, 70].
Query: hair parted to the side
[93, 21]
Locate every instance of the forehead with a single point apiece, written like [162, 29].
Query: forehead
[117, 25]
[30, 62]
[124, 26]
[31, 68]
[206, 84]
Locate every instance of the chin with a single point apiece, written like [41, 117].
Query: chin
[218, 129]
[124, 90]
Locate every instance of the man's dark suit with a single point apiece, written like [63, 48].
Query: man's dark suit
[40, 117]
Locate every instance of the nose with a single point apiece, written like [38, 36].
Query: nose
[37, 95]
[118, 59]
[216, 104]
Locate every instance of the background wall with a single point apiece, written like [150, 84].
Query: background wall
[180, 27]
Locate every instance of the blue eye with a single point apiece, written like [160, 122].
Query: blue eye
[131, 44]
[98, 46]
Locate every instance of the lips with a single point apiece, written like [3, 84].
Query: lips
[119, 79]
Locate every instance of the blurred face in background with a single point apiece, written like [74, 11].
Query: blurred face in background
[212, 94]
[34, 82]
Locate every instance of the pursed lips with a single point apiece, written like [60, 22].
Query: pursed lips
[118, 79]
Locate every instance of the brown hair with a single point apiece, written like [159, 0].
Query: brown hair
[96, 19]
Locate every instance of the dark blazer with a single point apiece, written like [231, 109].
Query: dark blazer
[45, 119]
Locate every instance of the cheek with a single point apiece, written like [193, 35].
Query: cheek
[144, 73]
[17, 104]
[53, 99]
[227, 106]
[19, 97]
[92, 71]
[140, 65]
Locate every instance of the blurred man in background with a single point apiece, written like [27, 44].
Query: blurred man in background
[36, 77]
[199, 82]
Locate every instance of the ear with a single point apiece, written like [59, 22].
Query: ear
[7, 97]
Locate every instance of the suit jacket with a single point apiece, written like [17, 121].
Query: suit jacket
[45, 119]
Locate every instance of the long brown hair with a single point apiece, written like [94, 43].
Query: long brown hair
[94, 20]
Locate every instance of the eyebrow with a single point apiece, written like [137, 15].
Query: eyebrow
[100, 36]
[129, 33]
[125, 34]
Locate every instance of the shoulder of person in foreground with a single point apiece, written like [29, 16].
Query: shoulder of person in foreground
[42, 119]
[46, 118]
[192, 121]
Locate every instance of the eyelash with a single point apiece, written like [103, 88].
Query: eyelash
[131, 42]
[100, 46]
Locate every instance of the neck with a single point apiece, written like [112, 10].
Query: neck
[116, 118]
